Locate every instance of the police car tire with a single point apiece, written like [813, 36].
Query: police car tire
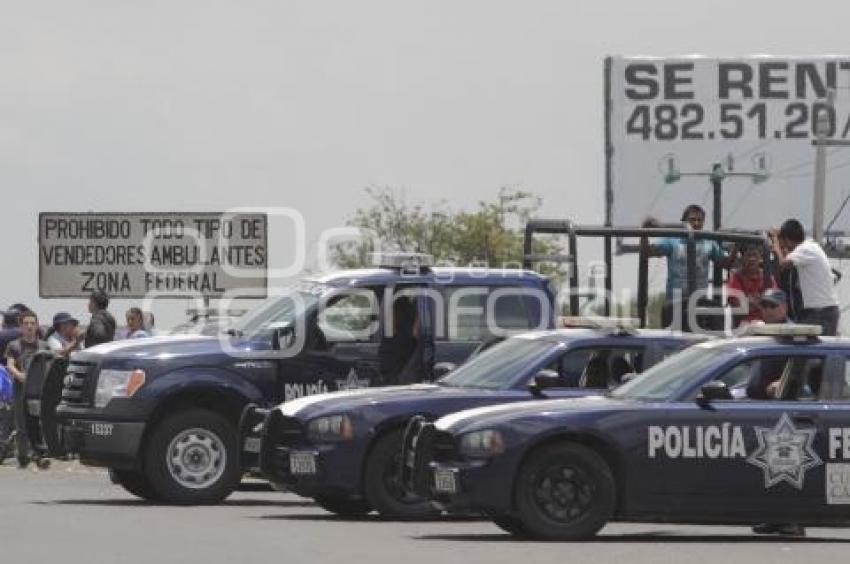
[135, 483]
[344, 507]
[594, 469]
[385, 453]
[511, 524]
[156, 466]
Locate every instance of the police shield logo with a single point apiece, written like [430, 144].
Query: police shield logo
[352, 382]
[784, 453]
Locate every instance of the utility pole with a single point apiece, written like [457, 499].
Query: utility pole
[822, 126]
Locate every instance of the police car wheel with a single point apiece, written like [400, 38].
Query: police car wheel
[382, 483]
[344, 507]
[511, 524]
[135, 483]
[192, 458]
[565, 492]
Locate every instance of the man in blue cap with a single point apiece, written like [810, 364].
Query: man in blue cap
[64, 339]
[774, 306]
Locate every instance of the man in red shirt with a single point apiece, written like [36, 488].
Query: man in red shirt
[749, 280]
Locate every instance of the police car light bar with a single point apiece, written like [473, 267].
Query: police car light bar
[599, 322]
[782, 330]
[412, 261]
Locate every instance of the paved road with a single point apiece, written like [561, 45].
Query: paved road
[88, 520]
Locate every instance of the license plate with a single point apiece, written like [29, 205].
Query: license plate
[252, 444]
[302, 463]
[445, 480]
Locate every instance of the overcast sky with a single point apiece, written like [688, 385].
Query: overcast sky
[204, 105]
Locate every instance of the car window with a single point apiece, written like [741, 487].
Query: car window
[351, 317]
[466, 313]
[596, 367]
[788, 378]
[501, 365]
[844, 389]
[511, 311]
[466, 309]
[672, 377]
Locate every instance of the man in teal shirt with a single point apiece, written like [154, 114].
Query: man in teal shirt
[676, 251]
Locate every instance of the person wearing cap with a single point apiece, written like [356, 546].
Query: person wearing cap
[793, 249]
[774, 306]
[64, 339]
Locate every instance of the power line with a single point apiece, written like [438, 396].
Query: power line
[802, 164]
[739, 204]
[842, 164]
[752, 149]
[655, 199]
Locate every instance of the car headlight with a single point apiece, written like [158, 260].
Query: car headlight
[117, 384]
[333, 428]
[482, 444]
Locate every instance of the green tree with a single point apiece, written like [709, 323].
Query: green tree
[491, 234]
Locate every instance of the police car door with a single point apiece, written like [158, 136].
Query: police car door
[749, 459]
[340, 348]
[837, 462]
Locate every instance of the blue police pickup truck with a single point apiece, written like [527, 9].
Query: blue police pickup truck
[162, 413]
[342, 449]
[739, 431]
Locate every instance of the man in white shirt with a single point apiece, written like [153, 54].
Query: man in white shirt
[820, 306]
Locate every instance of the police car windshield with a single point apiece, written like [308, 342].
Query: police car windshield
[668, 379]
[499, 366]
[280, 309]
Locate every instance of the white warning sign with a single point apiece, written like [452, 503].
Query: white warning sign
[132, 255]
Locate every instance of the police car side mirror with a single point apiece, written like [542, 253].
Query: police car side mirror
[715, 390]
[627, 377]
[443, 368]
[283, 337]
[544, 379]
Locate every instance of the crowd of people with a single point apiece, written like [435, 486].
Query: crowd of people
[21, 338]
[801, 280]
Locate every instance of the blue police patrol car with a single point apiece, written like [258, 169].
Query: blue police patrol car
[343, 449]
[163, 413]
[738, 431]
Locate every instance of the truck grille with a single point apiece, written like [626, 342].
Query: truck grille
[77, 387]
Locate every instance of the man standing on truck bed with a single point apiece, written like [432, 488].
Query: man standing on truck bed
[676, 251]
[102, 325]
[793, 249]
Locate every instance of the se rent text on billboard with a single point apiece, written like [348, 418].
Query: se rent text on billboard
[692, 112]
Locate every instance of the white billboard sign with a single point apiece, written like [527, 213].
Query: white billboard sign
[670, 120]
[132, 255]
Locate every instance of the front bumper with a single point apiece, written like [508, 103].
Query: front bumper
[432, 469]
[103, 443]
[287, 458]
